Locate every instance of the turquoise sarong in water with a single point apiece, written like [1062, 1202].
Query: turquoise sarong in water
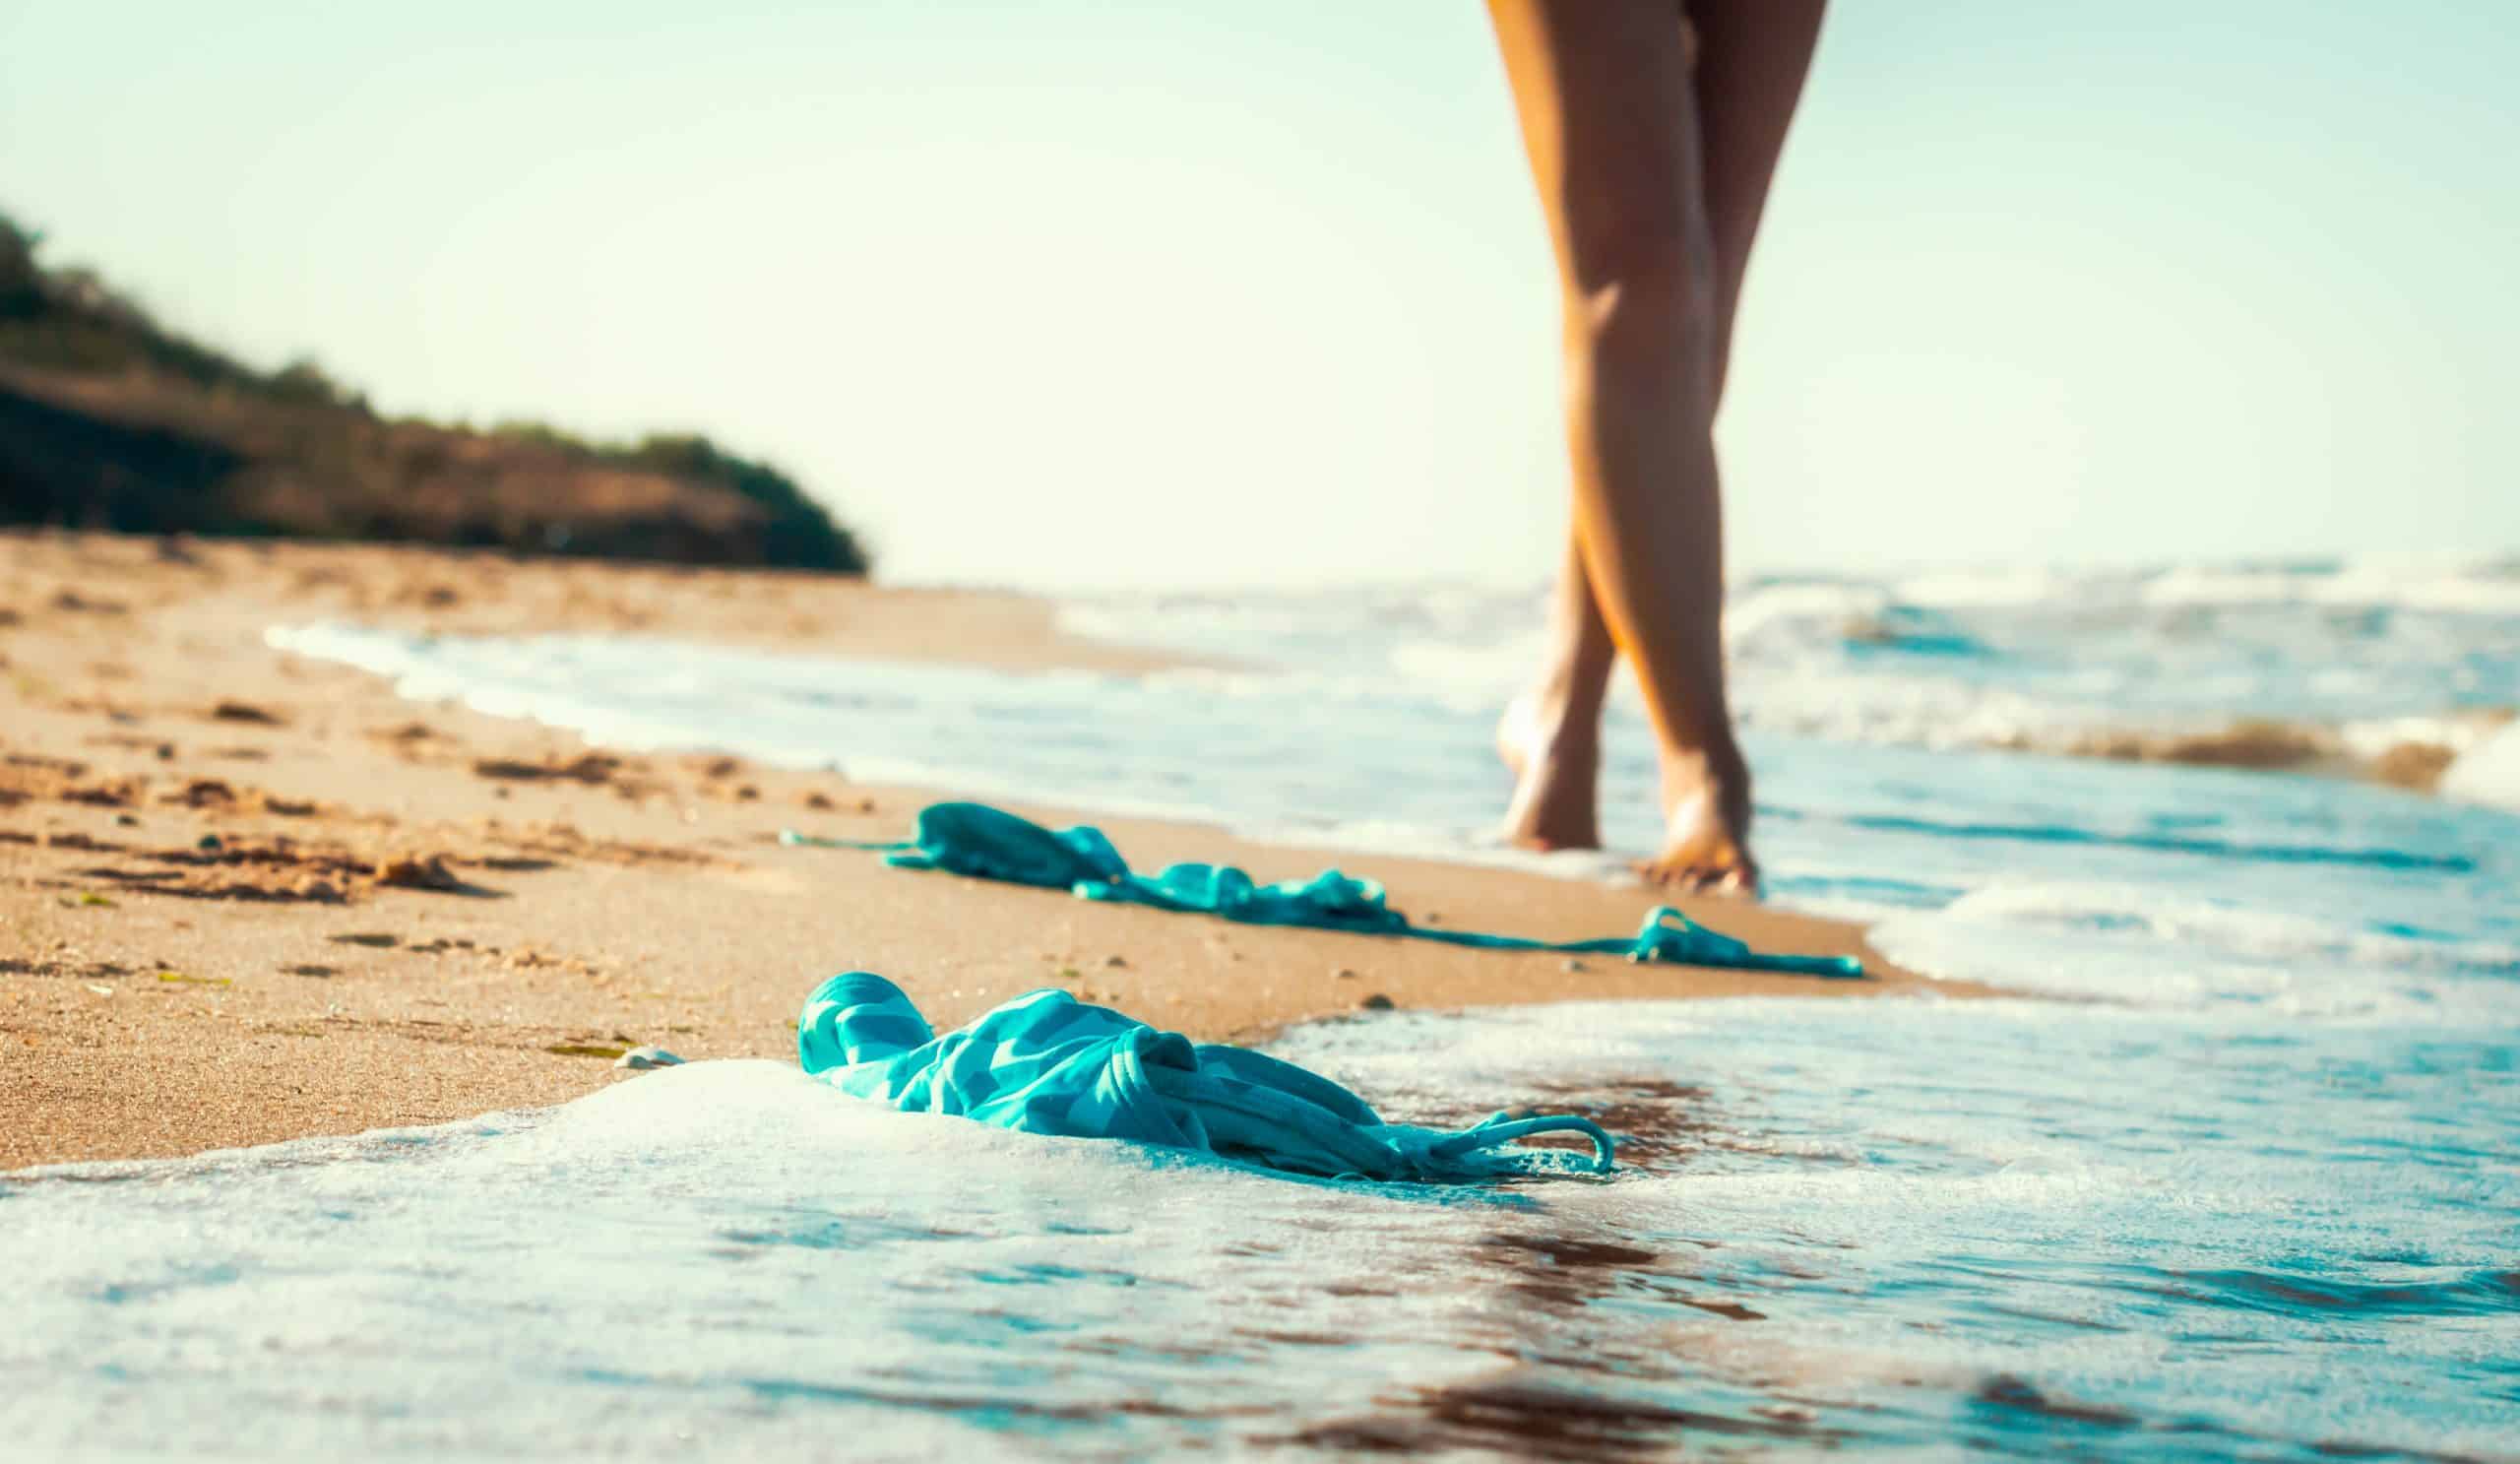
[986, 843]
[1048, 1064]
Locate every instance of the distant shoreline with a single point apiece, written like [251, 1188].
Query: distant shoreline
[110, 420]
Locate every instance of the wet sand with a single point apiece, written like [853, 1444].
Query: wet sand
[246, 896]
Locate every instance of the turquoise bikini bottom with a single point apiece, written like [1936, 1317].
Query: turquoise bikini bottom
[1048, 1064]
[986, 843]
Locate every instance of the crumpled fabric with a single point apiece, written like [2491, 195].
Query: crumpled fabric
[986, 843]
[1048, 1064]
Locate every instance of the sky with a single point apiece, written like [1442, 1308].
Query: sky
[1211, 293]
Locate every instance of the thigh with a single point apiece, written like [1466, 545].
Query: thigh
[1603, 94]
[1752, 58]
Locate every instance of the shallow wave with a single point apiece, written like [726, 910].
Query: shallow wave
[728, 1255]
[2148, 947]
[2382, 670]
[2060, 1214]
[2411, 752]
[2169, 843]
[1816, 1239]
[2441, 584]
[2488, 773]
[2226, 924]
[2478, 1292]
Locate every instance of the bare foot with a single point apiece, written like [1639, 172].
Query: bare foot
[1706, 816]
[1556, 762]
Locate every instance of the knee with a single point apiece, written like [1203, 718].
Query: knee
[1640, 276]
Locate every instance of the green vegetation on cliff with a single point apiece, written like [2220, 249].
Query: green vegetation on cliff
[109, 420]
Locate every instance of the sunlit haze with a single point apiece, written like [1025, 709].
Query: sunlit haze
[1184, 293]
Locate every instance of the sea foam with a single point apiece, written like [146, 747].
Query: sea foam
[2488, 773]
[2229, 1237]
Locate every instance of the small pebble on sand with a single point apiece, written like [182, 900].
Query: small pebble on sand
[1377, 1002]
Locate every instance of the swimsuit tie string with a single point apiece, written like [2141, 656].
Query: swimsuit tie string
[1501, 1130]
[985, 842]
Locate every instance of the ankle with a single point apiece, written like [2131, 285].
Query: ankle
[1553, 715]
[1717, 770]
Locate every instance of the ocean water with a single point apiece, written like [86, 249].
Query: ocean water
[2235, 1175]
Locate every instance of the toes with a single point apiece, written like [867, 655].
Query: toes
[1679, 877]
[1691, 877]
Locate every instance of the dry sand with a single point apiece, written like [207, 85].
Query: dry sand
[245, 897]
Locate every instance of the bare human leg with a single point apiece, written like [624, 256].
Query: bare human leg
[1626, 224]
[1551, 737]
[1752, 58]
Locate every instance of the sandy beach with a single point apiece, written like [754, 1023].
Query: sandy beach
[246, 896]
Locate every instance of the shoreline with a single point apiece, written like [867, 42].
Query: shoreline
[247, 897]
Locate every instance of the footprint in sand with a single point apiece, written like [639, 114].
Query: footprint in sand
[589, 767]
[246, 712]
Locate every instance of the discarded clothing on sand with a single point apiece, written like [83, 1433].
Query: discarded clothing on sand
[1048, 1064]
[988, 843]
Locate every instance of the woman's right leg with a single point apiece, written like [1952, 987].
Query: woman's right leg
[1610, 120]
